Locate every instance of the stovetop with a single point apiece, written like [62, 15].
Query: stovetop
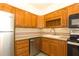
[74, 38]
[76, 41]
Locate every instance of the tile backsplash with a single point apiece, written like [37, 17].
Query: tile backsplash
[74, 31]
[56, 31]
[36, 32]
[62, 30]
[27, 32]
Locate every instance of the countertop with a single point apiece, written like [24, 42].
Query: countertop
[59, 37]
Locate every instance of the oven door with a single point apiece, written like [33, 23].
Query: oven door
[73, 49]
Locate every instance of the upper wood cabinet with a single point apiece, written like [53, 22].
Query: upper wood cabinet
[30, 20]
[27, 19]
[51, 15]
[1, 6]
[57, 19]
[9, 8]
[41, 22]
[19, 18]
[33, 20]
[73, 9]
[6, 7]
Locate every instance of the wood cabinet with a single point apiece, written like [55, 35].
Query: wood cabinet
[19, 18]
[27, 19]
[62, 48]
[6, 7]
[30, 20]
[1, 6]
[45, 46]
[58, 47]
[22, 47]
[54, 47]
[54, 22]
[51, 15]
[73, 9]
[41, 22]
[33, 20]
[57, 19]
[9, 8]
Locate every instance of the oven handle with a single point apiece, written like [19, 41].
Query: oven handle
[73, 43]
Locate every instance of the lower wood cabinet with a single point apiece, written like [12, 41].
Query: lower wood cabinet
[22, 47]
[45, 45]
[54, 47]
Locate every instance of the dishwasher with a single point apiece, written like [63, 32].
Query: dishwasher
[34, 46]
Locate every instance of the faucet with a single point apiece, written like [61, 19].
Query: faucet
[54, 31]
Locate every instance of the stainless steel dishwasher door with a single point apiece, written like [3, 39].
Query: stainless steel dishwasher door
[34, 46]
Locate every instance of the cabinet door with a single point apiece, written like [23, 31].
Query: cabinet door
[22, 47]
[45, 45]
[33, 20]
[51, 15]
[41, 22]
[58, 47]
[19, 18]
[53, 50]
[62, 48]
[53, 47]
[73, 9]
[27, 19]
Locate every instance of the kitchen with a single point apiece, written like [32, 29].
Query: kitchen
[53, 34]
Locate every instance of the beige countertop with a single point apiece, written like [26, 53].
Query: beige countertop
[59, 37]
[21, 37]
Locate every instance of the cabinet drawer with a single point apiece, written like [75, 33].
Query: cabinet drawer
[23, 54]
[22, 51]
[21, 41]
[53, 41]
[21, 46]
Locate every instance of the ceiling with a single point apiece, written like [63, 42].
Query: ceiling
[40, 7]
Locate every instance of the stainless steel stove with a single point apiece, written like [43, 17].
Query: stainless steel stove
[73, 42]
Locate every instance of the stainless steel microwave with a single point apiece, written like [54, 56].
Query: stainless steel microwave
[74, 21]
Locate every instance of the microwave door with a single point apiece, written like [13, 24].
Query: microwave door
[74, 21]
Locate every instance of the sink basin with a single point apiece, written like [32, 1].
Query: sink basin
[53, 36]
[56, 36]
